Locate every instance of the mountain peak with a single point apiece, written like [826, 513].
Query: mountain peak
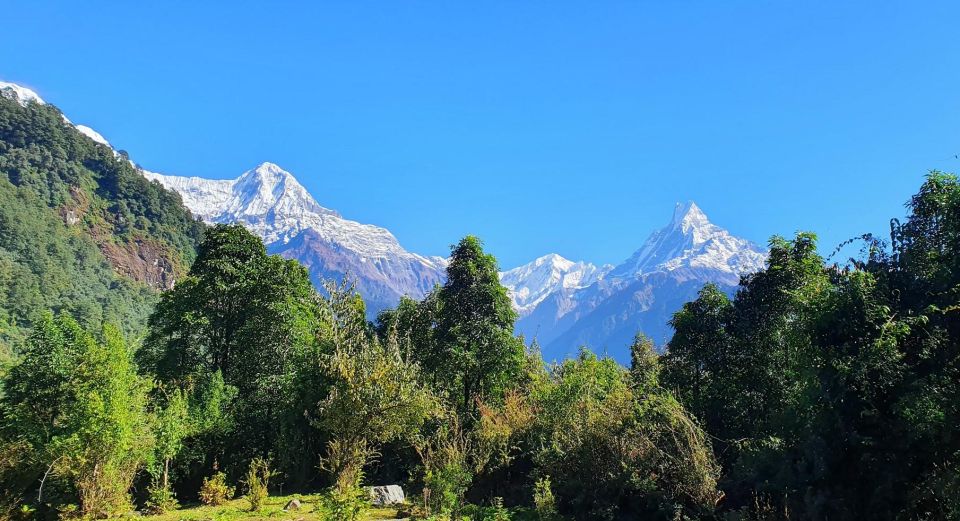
[268, 174]
[268, 168]
[692, 241]
[553, 259]
[530, 284]
[688, 215]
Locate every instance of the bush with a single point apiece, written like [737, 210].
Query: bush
[617, 455]
[215, 490]
[445, 486]
[160, 499]
[344, 505]
[543, 500]
[495, 512]
[258, 483]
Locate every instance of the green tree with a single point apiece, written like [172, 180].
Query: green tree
[644, 364]
[252, 318]
[616, 451]
[375, 396]
[77, 225]
[475, 353]
[173, 424]
[82, 411]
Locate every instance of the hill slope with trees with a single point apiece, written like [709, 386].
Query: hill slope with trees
[81, 230]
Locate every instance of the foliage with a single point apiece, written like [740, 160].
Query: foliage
[543, 501]
[832, 390]
[258, 483]
[375, 396]
[444, 454]
[172, 425]
[79, 409]
[74, 222]
[614, 453]
[644, 364]
[346, 504]
[819, 391]
[250, 318]
[462, 334]
[495, 512]
[215, 490]
[160, 498]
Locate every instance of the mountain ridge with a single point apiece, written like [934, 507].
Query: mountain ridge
[559, 301]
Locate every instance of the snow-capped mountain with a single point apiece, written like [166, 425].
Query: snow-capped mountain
[691, 241]
[271, 203]
[643, 292]
[530, 284]
[562, 303]
[22, 94]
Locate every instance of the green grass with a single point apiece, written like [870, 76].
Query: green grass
[273, 509]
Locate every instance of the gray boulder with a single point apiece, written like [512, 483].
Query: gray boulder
[386, 495]
[292, 505]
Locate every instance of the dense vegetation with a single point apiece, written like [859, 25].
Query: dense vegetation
[820, 391]
[832, 392]
[81, 231]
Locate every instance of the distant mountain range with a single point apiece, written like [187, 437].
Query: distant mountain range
[561, 303]
[606, 308]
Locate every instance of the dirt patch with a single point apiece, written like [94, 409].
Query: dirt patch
[142, 260]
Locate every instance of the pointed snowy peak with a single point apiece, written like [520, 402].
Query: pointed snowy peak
[268, 174]
[271, 190]
[22, 94]
[530, 284]
[688, 215]
[692, 241]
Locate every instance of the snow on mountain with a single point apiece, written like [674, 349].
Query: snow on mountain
[691, 241]
[530, 284]
[274, 205]
[564, 304]
[92, 134]
[22, 94]
[271, 203]
[643, 292]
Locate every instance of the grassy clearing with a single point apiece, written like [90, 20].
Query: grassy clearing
[273, 509]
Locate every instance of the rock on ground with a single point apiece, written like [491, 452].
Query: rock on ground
[386, 495]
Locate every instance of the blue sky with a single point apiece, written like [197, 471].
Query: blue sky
[539, 126]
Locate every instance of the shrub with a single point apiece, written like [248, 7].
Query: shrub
[344, 504]
[496, 512]
[543, 501]
[160, 499]
[258, 483]
[617, 455]
[445, 486]
[215, 490]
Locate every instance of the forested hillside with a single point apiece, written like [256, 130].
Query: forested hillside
[81, 231]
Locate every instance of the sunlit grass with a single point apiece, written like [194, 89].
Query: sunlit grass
[272, 509]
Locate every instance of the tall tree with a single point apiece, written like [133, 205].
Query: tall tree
[249, 316]
[476, 351]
